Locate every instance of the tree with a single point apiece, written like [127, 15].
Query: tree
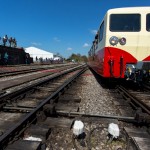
[77, 58]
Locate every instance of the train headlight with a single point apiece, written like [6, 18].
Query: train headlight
[113, 40]
[122, 41]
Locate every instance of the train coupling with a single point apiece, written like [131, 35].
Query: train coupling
[138, 72]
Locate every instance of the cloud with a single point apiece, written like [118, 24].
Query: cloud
[93, 31]
[56, 39]
[36, 44]
[86, 45]
[69, 49]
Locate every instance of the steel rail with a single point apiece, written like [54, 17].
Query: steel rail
[10, 95]
[134, 99]
[20, 126]
[75, 114]
[30, 70]
[146, 86]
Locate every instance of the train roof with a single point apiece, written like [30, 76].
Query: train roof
[129, 10]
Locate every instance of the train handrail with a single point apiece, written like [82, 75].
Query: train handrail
[111, 63]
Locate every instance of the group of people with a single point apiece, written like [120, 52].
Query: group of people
[12, 41]
[48, 60]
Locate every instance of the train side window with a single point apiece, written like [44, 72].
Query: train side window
[125, 22]
[148, 22]
[92, 50]
[101, 31]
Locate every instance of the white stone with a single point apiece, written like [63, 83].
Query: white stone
[113, 129]
[78, 127]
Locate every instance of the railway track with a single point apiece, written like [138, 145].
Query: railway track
[49, 123]
[136, 134]
[140, 102]
[27, 106]
[138, 99]
[12, 83]
[17, 71]
[132, 107]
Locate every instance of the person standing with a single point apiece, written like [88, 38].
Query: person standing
[6, 58]
[10, 41]
[5, 39]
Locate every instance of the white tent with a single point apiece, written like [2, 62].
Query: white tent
[39, 53]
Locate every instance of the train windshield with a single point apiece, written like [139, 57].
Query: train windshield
[148, 22]
[125, 22]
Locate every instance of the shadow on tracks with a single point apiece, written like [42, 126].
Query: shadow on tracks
[108, 83]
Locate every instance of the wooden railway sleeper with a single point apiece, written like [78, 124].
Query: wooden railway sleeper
[49, 110]
[76, 114]
[135, 101]
[140, 118]
[33, 116]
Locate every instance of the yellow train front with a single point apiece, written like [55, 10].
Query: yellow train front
[122, 43]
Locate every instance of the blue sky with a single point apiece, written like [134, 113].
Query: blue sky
[57, 26]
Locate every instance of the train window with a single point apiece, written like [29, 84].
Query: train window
[101, 31]
[125, 22]
[148, 22]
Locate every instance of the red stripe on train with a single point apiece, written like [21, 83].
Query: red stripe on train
[147, 58]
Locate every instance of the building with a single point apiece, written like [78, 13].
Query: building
[39, 54]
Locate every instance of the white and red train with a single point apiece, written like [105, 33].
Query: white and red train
[122, 43]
